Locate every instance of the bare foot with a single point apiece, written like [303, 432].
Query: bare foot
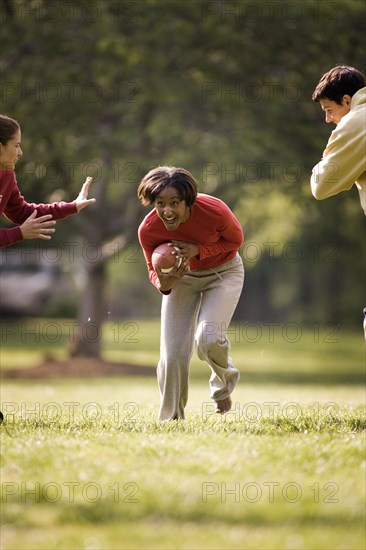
[223, 406]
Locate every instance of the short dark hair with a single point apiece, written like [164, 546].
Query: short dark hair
[8, 128]
[339, 81]
[153, 183]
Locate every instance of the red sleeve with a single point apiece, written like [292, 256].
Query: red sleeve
[230, 231]
[148, 251]
[18, 210]
[10, 236]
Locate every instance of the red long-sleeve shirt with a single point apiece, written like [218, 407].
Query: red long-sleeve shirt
[212, 226]
[17, 210]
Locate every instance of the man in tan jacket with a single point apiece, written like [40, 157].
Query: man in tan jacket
[341, 93]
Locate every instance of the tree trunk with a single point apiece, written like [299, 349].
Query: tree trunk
[87, 338]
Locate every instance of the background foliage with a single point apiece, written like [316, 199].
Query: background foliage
[111, 88]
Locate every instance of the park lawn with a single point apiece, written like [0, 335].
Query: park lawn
[86, 464]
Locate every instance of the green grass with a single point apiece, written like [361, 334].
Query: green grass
[86, 464]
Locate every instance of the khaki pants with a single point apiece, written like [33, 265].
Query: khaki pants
[198, 310]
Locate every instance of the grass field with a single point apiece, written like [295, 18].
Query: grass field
[86, 465]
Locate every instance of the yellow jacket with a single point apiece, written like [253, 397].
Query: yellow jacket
[344, 159]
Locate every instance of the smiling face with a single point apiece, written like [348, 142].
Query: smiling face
[10, 152]
[334, 112]
[171, 209]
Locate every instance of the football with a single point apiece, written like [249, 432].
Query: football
[163, 258]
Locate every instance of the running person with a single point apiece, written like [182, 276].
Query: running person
[200, 295]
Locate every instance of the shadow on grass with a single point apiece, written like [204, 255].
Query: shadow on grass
[99, 369]
[306, 378]
[203, 514]
[276, 377]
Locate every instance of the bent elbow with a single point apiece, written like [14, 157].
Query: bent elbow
[317, 193]
[319, 189]
[316, 190]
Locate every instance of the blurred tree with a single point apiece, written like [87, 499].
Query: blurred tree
[111, 88]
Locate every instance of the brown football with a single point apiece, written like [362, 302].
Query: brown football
[163, 258]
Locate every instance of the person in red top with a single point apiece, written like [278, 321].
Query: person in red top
[200, 294]
[34, 221]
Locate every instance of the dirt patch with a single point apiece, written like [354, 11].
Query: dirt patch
[78, 368]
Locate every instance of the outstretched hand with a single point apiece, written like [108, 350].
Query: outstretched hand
[82, 199]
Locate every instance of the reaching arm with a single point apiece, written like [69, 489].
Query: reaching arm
[343, 162]
[36, 221]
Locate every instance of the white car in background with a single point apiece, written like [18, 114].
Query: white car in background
[28, 286]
